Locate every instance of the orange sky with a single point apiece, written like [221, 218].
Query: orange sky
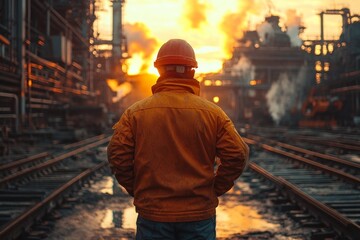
[209, 26]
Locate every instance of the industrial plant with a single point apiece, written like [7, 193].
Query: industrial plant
[276, 78]
[53, 67]
[286, 167]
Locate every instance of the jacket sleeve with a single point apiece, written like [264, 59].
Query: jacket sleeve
[121, 153]
[234, 156]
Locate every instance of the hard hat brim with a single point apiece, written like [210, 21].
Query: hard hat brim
[175, 60]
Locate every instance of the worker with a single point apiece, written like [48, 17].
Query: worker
[163, 152]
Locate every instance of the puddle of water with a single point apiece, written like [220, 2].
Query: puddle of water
[233, 218]
[108, 185]
[119, 219]
[116, 217]
[230, 219]
[129, 218]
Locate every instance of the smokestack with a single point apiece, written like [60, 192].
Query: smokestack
[117, 28]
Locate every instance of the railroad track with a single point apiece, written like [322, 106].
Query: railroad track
[344, 141]
[29, 193]
[19, 165]
[350, 168]
[346, 145]
[330, 194]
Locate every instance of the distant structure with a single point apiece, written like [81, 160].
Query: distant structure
[334, 99]
[257, 61]
[52, 71]
[274, 77]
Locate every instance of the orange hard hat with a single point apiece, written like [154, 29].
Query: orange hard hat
[176, 52]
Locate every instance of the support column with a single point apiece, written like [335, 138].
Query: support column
[21, 55]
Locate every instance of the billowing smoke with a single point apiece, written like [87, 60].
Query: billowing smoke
[293, 23]
[233, 24]
[140, 42]
[266, 32]
[285, 93]
[195, 13]
[243, 69]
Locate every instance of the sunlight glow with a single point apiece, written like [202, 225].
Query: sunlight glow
[208, 65]
[212, 29]
[134, 64]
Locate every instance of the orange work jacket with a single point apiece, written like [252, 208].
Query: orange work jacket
[163, 153]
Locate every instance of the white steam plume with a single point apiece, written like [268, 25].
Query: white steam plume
[293, 23]
[243, 69]
[285, 93]
[266, 32]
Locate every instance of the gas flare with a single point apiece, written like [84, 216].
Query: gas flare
[121, 90]
[141, 87]
[142, 46]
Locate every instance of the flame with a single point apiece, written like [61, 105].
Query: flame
[142, 47]
[194, 14]
[136, 88]
[112, 83]
[121, 89]
[233, 23]
[141, 87]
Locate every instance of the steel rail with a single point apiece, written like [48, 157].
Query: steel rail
[330, 143]
[51, 162]
[309, 152]
[320, 155]
[328, 215]
[7, 166]
[17, 163]
[312, 163]
[14, 229]
[86, 141]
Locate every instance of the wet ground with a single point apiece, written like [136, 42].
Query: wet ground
[104, 211]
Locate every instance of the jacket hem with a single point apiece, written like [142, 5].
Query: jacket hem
[176, 217]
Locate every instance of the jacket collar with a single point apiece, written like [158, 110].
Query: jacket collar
[176, 85]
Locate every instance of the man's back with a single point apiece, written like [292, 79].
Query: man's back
[177, 134]
[163, 152]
